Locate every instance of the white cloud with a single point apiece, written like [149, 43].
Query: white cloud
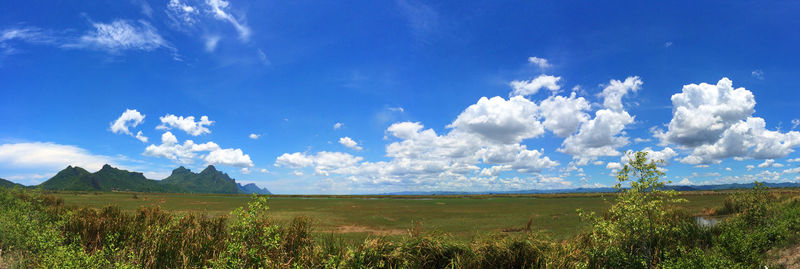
[264, 170]
[613, 93]
[728, 169]
[748, 139]
[129, 119]
[397, 109]
[169, 139]
[324, 162]
[220, 10]
[50, 156]
[563, 115]
[750, 167]
[701, 113]
[141, 137]
[186, 124]
[337, 126]
[245, 170]
[188, 152]
[541, 62]
[254, 136]
[793, 160]
[613, 165]
[668, 44]
[531, 87]
[183, 153]
[757, 74]
[27, 34]
[665, 155]
[500, 120]
[795, 123]
[230, 157]
[716, 122]
[348, 142]
[122, 35]
[211, 42]
[181, 12]
[603, 134]
[770, 163]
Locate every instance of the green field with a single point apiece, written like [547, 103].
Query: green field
[356, 217]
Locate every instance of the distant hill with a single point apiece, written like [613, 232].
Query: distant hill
[208, 181]
[182, 180]
[8, 184]
[252, 188]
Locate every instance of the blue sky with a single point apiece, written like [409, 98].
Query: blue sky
[382, 96]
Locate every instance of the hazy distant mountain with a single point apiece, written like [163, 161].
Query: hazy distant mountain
[252, 188]
[208, 181]
[8, 184]
[181, 180]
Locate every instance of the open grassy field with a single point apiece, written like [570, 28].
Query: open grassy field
[355, 217]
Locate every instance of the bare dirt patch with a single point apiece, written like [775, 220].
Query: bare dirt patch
[789, 257]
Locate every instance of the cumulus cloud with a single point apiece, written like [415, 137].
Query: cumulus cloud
[324, 162]
[540, 62]
[602, 135]
[186, 124]
[531, 87]
[716, 122]
[613, 166]
[422, 157]
[122, 35]
[702, 112]
[563, 115]
[221, 11]
[141, 137]
[497, 119]
[665, 155]
[348, 142]
[189, 152]
[254, 136]
[50, 156]
[230, 157]
[183, 153]
[129, 119]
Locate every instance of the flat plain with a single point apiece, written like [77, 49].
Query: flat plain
[357, 217]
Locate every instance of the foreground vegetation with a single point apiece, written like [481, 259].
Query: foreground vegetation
[643, 228]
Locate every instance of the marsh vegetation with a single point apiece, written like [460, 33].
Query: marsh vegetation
[642, 226]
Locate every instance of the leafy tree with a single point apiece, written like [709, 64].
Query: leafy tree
[636, 230]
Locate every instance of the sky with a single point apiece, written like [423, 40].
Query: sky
[353, 97]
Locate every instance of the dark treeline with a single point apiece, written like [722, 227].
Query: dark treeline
[644, 228]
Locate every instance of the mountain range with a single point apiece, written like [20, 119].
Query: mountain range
[8, 184]
[182, 180]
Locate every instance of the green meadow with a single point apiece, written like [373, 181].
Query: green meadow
[357, 217]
